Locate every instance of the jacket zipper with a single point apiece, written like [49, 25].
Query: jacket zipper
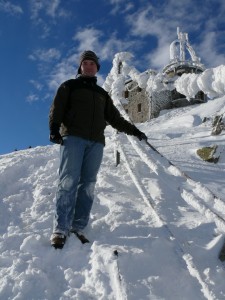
[93, 115]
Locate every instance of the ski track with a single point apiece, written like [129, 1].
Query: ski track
[160, 169]
[159, 235]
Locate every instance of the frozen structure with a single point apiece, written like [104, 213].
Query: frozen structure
[179, 63]
[138, 104]
[144, 95]
[183, 60]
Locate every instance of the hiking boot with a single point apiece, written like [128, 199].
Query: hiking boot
[80, 236]
[58, 240]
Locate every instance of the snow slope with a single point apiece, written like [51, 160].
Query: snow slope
[155, 234]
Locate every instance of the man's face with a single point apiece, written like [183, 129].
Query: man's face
[88, 68]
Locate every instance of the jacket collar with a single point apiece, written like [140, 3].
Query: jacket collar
[90, 80]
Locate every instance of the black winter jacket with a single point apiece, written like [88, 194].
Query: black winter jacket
[82, 108]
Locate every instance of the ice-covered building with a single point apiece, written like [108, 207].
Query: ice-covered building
[138, 104]
[183, 60]
[144, 104]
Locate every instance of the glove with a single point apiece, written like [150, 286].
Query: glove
[55, 136]
[140, 135]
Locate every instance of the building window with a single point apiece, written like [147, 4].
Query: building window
[126, 110]
[139, 107]
[126, 94]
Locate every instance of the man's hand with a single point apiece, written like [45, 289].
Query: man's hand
[140, 135]
[55, 136]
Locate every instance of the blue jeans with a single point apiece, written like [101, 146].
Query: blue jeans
[80, 160]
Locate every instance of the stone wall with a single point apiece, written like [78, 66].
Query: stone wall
[142, 107]
[137, 105]
[159, 101]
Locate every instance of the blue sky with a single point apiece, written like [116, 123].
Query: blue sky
[41, 42]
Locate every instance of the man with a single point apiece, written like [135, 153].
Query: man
[77, 120]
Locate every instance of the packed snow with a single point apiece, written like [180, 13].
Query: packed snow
[157, 223]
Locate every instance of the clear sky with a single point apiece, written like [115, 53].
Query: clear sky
[41, 42]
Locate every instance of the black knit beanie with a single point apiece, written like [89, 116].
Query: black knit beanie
[88, 55]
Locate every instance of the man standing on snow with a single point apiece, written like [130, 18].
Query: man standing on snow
[77, 120]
